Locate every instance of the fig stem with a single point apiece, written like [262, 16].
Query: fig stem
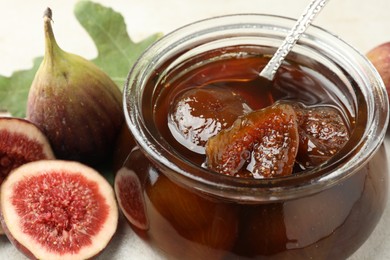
[51, 45]
[48, 13]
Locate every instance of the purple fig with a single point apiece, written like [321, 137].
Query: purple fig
[76, 105]
[380, 58]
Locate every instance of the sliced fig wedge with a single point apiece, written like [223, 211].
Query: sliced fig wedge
[52, 209]
[264, 143]
[130, 198]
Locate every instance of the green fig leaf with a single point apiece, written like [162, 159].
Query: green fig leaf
[116, 51]
[116, 54]
[14, 90]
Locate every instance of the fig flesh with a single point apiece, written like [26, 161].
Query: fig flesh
[20, 142]
[53, 209]
[75, 104]
[129, 193]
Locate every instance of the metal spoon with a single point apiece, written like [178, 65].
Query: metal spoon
[269, 71]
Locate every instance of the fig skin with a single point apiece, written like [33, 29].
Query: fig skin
[82, 188]
[76, 105]
[380, 58]
[123, 146]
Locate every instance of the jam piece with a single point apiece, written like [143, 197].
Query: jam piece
[265, 142]
[322, 133]
[200, 113]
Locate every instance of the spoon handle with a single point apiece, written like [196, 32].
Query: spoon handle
[293, 36]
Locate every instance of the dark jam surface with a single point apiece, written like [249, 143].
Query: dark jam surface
[206, 95]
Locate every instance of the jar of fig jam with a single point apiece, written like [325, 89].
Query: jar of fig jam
[322, 210]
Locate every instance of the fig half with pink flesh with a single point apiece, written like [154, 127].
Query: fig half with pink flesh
[20, 142]
[53, 209]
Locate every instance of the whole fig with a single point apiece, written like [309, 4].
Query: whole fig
[75, 104]
[380, 58]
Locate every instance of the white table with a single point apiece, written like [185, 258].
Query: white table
[364, 24]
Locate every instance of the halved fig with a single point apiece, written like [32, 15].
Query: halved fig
[21, 142]
[52, 209]
[260, 144]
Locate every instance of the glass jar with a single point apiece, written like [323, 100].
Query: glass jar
[190, 213]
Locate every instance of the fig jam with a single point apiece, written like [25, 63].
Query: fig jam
[187, 102]
[209, 97]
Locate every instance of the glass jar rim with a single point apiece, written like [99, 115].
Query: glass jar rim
[239, 188]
